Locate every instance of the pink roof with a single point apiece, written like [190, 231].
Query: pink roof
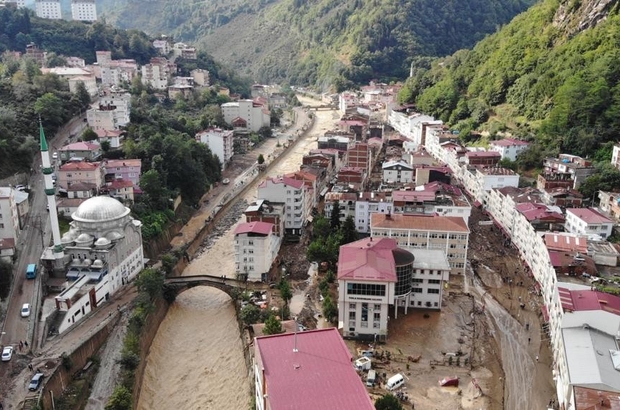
[319, 375]
[120, 183]
[535, 212]
[482, 154]
[7, 243]
[120, 163]
[413, 196]
[368, 259]
[508, 142]
[283, 180]
[566, 242]
[589, 215]
[80, 166]
[81, 146]
[262, 228]
[578, 300]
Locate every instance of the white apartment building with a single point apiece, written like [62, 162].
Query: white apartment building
[292, 194]
[84, 10]
[117, 72]
[431, 270]
[158, 73]
[508, 148]
[398, 172]
[447, 233]
[20, 3]
[408, 124]
[615, 156]
[254, 114]
[479, 180]
[201, 77]
[48, 9]
[588, 221]
[367, 204]
[256, 247]
[9, 218]
[90, 83]
[220, 143]
[162, 46]
[106, 117]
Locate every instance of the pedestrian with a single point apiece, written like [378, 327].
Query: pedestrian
[527, 326]
[536, 358]
[529, 339]
[30, 367]
[26, 343]
[519, 298]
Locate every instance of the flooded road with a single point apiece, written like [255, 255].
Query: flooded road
[196, 360]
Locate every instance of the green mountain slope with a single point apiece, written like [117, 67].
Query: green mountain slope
[321, 41]
[553, 72]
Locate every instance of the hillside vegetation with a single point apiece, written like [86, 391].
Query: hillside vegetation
[551, 75]
[321, 42]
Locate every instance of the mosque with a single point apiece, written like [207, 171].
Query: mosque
[101, 252]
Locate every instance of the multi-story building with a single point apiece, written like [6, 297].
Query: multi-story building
[120, 102]
[19, 3]
[448, 233]
[158, 73]
[508, 148]
[9, 218]
[106, 117]
[256, 247]
[121, 189]
[80, 171]
[255, 114]
[479, 180]
[89, 151]
[588, 221]
[406, 122]
[292, 194]
[482, 158]
[339, 141]
[182, 50]
[220, 143]
[610, 204]
[265, 211]
[366, 204]
[433, 198]
[311, 187]
[286, 368]
[397, 172]
[84, 10]
[114, 137]
[201, 77]
[431, 271]
[162, 45]
[569, 167]
[48, 9]
[360, 155]
[116, 72]
[123, 169]
[89, 81]
[615, 156]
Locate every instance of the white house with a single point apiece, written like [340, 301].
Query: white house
[89, 81]
[9, 218]
[292, 194]
[256, 115]
[48, 9]
[431, 270]
[397, 172]
[508, 148]
[615, 156]
[588, 221]
[220, 143]
[256, 247]
[162, 45]
[84, 10]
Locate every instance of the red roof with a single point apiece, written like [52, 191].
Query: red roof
[262, 228]
[539, 212]
[482, 154]
[589, 215]
[80, 166]
[508, 142]
[81, 146]
[319, 375]
[7, 243]
[566, 242]
[108, 133]
[120, 183]
[120, 163]
[576, 300]
[368, 259]
[413, 196]
[283, 180]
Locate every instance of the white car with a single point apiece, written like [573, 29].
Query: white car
[7, 353]
[25, 310]
[55, 155]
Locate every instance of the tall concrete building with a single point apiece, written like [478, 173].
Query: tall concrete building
[84, 10]
[48, 9]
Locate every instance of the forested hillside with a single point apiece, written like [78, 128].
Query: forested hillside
[552, 74]
[320, 42]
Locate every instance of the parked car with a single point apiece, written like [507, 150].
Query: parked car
[35, 382]
[7, 353]
[226, 181]
[25, 310]
[20, 187]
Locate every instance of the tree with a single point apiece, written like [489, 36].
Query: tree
[150, 281]
[334, 220]
[249, 314]
[50, 108]
[89, 134]
[285, 290]
[273, 326]
[120, 399]
[330, 311]
[6, 271]
[261, 159]
[388, 402]
[105, 146]
[320, 226]
[348, 231]
[264, 133]
[154, 191]
[82, 95]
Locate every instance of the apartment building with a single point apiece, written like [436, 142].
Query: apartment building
[610, 204]
[220, 143]
[568, 167]
[116, 72]
[74, 172]
[162, 45]
[431, 271]
[508, 148]
[9, 217]
[588, 221]
[89, 151]
[123, 169]
[106, 117]
[397, 172]
[432, 198]
[84, 10]
[448, 233]
[265, 211]
[201, 77]
[48, 9]
[293, 195]
[256, 247]
[255, 114]
[479, 180]
[158, 73]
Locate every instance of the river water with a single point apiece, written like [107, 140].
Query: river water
[196, 359]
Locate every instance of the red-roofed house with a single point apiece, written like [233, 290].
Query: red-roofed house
[120, 189]
[542, 217]
[112, 136]
[508, 148]
[256, 247]
[483, 158]
[307, 371]
[126, 169]
[566, 242]
[572, 264]
[367, 286]
[292, 194]
[84, 150]
[588, 221]
[80, 171]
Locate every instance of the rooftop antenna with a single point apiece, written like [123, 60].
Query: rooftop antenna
[295, 340]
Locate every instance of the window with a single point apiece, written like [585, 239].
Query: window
[351, 315]
[416, 280]
[377, 306]
[377, 316]
[434, 281]
[432, 291]
[364, 312]
[416, 290]
[352, 305]
[365, 289]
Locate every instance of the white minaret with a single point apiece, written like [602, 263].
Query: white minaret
[50, 192]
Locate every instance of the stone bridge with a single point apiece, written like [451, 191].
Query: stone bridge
[175, 285]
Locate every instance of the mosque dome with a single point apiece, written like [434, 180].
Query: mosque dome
[114, 236]
[100, 209]
[102, 242]
[83, 238]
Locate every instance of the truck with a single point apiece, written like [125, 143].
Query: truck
[31, 271]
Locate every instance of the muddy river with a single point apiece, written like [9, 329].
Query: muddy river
[196, 359]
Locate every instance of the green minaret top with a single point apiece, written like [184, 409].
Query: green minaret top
[42, 137]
